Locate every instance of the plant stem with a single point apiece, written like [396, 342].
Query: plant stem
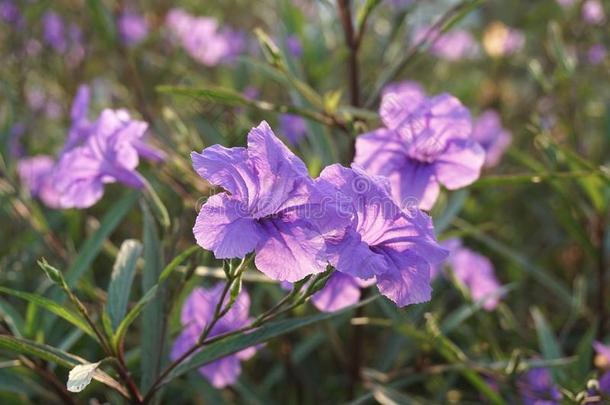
[353, 45]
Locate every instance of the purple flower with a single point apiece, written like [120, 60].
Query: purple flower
[451, 246]
[494, 139]
[597, 54]
[294, 46]
[452, 46]
[9, 12]
[203, 38]
[197, 311]
[54, 31]
[393, 246]
[293, 127]
[132, 27]
[268, 207]
[108, 155]
[425, 142]
[15, 149]
[341, 291]
[604, 352]
[537, 388]
[36, 173]
[476, 273]
[593, 12]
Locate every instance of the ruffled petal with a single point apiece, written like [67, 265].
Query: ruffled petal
[290, 249]
[227, 168]
[224, 227]
[407, 280]
[460, 164]
[340, 292]
[282, 177]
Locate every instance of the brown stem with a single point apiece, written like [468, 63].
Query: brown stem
[353, 44]
[123, 371]
[51, 379]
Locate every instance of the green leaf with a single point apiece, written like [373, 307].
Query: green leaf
[53, 355]
[121, 280]
[153, 320]
[235, 343]
[547, 341]
[132, 315]
[53, 307]
[177, 261]
[12, 318]
[92, 246]
[102, 20]
[232, 98]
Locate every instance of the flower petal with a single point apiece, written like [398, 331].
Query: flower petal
[340, 291]
[223, 227]
[407, 281]
[460, 165]
[290, 249]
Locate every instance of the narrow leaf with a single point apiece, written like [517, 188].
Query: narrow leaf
[153, 321]
[53, 307]
[53, 355]
[121, 280]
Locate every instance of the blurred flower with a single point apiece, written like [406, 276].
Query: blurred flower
[32, 47]
[537, 388]
[54, 31]
[36, 175]
[593, 12]
[108, 155]
[132, 27]
[603, 351]
[197, 312]
[597, 54]
[396, 248]
[268, 207]
[452, 46]
[425, 142]
[293, 127]
[15, 149]
[204, 39]
[500, 40]
[476, 273]
[9, 13]
[76, 50]
[251, 92]
[488, 132]
[293, 43]
[35, 98]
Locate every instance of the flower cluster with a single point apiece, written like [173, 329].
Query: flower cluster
[297, 225]
[425, 142]
[204, 39]
[106, 150]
